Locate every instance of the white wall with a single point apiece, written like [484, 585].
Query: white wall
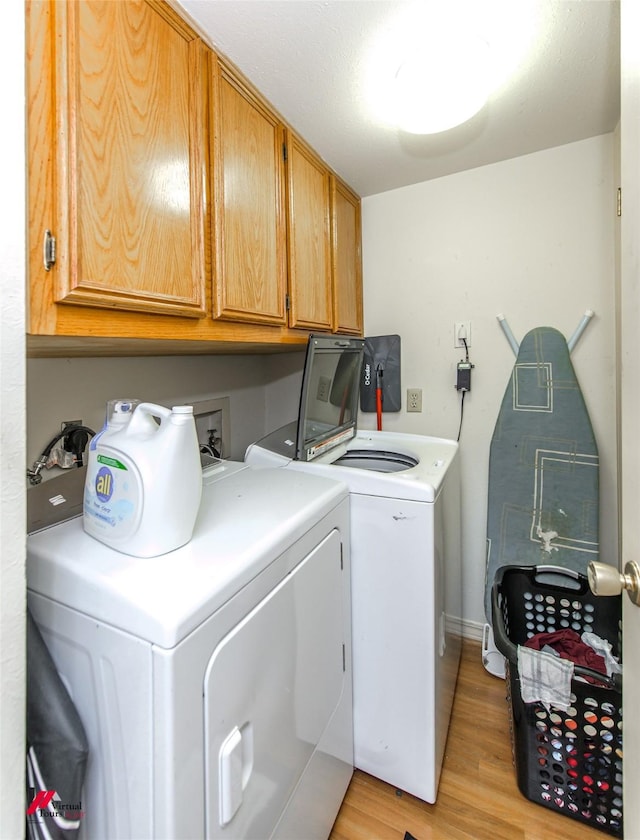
[12, 445]
[78, 389]
[283, 395]
[531, 237]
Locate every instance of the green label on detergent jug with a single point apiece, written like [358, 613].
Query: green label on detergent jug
[111, 462]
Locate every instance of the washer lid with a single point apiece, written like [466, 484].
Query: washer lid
[433, 457]
[245, 522]
[328, 412]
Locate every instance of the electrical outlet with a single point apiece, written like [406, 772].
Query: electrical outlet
[324, 386]
[213, 425]
[461, 330]
[66, 423]
[414, 399]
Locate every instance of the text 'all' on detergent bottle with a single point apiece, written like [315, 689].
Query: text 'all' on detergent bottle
[144, 481]
[118, 414]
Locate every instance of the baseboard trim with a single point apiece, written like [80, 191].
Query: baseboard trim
[472, 630]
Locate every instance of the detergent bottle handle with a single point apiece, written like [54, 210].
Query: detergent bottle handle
[145, 411]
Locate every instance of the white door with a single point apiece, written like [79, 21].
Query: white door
[629, 307]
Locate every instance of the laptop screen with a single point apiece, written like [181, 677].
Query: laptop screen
[330, 394]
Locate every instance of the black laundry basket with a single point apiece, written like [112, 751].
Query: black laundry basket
[568, 761]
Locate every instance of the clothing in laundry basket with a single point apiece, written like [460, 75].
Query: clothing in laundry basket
[546, 665]
[604, 648]
[568, 645]
[544, 678]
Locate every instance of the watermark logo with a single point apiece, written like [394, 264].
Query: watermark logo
[45, 804]
[41, 799]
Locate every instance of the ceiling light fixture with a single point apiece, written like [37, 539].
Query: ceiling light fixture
[435, 63]
[443, 84]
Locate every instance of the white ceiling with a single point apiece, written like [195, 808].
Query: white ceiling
[312, 59]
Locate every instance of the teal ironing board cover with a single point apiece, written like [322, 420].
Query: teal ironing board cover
[543, 466]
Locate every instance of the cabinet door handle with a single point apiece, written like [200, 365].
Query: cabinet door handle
[48, 250]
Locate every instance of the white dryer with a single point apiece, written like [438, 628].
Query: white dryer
[214, 682]
[405, 562]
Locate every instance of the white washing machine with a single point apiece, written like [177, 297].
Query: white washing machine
[214, 682]
[405, 562]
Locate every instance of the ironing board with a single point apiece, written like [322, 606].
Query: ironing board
[543, 466]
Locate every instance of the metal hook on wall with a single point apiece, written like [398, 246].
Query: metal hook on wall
[588, 315]
[571, 343]
[506, 329]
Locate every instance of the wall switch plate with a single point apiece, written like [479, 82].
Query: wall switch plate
[414, 399]
[461, 329]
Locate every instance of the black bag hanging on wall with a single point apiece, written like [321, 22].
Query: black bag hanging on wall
[381, 352]
[57, 748]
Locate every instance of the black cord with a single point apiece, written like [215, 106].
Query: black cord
[461, 413]
[76, 442]
[463, 390]
[47, 450]
[68, 431]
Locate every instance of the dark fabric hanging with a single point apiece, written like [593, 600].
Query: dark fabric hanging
[57, 748]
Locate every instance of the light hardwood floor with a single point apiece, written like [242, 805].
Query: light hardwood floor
[478, 797]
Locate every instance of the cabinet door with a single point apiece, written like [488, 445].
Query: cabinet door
[346, 259]
[308, 219]
[249, 219]
[127, 208]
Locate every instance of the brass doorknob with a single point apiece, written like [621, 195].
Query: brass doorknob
[607, 580]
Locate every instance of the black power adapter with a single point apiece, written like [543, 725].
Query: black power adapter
[75, 441]
[463, 379]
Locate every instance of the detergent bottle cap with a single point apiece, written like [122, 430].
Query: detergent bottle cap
[181, 414]
[119, 411]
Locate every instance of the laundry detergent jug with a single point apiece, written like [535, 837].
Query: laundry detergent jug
[144, 479]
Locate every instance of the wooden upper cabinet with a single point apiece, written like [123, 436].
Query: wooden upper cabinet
[247, 160]
[346, 259]
[308, 219]
[126, 114]
[182, 208]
